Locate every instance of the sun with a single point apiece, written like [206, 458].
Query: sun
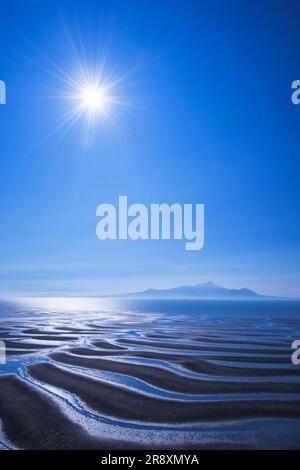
[94, 94]
[93, 98]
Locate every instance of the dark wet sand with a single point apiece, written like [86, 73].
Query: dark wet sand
[33, 421]
[189, 347]
[167, 380]
[180, 358]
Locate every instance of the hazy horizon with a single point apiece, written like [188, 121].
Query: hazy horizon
[122, 294]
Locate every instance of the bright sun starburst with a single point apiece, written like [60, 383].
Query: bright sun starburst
[94, 99]
[95, 102]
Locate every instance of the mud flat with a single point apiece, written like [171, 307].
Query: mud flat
[141, 376]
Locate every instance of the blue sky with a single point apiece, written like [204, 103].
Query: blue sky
[210, 121]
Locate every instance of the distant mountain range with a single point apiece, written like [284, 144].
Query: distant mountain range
[206, 290]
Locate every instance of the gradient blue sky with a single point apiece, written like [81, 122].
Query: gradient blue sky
[211, 121]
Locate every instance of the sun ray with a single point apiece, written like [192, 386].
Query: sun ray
[96, 88]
